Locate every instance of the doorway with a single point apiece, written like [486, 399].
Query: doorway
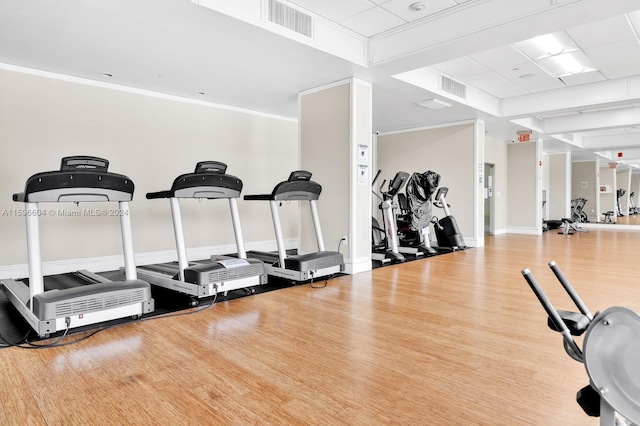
[488, 198]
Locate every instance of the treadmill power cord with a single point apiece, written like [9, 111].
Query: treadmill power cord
[326, 282]
[8, 344]
[55, 343]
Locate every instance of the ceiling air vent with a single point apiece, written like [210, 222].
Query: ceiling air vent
[453, 87]
[290, 18]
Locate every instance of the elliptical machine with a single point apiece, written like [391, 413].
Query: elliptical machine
[609, 353]
[385, 247]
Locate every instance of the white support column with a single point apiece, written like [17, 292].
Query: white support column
[478, 193]
[335, 145]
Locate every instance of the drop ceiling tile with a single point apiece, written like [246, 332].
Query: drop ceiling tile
[401, 8]
[616, 54]
[460, 68]
[602, 32]
[335, 10]
[495, 85]
[500, 57]
[622, 71]
[583, 78]
[529, 76]
[372, 21]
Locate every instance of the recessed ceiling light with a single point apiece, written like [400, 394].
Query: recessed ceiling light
[201, 93]
[526, 76]
[107, 74]
[557, 54]
[416, 7]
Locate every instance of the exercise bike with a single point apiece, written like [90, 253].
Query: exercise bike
[609, 353]
[385, 247]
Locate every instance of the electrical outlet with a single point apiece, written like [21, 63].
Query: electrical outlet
[344, 240]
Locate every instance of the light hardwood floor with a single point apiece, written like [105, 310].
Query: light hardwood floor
[454, 340]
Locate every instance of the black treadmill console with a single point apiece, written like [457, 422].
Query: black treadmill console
[79, 163]
[209, 180]
[80, 178]
[211, 167]
[299, 175]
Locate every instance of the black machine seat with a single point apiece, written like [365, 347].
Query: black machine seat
[80, 178]
[299, 186]
[403, 203]
[209, 180]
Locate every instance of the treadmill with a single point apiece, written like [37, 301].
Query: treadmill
[220, 274]
[300, 267]
[61, 302]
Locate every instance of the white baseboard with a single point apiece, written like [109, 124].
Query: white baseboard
[356, 266]
[474, 242]
[610, 226]
[112, 263]
[524, 230]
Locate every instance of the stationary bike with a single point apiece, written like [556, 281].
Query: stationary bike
[609, 353]
[385, 246]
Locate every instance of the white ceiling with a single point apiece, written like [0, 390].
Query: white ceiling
[230, 55]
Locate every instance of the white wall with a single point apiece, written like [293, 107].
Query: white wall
[559, 195]
[608, 199]
[150, 139]
[585, 181]
[449, 151]
[525, 188]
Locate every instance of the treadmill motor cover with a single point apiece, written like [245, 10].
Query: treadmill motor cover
[85, 299]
